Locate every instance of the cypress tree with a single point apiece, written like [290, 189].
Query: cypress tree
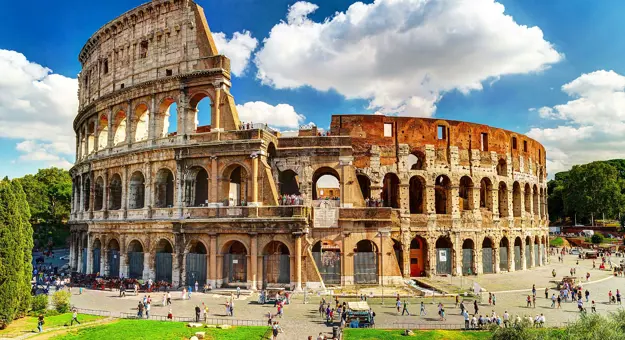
[11, 254]
[26, 242]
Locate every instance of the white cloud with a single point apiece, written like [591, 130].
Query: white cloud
[238, 49]
[37, 107]
[593, 122]
[281, 115]
[402, 55]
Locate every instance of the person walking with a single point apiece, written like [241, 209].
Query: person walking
[494, 300]
[74, 318]
[238, 292]
[398, 305]
[534, 289]
[423, 312]
[197, 313]
[457, 301]
[405, 310]
[529, 302]
[140, 310]
[197, 286]
[506, 319]
[553, 301]
[148, 306]
[40, 323]
[610, 296]
[490, 298]
[546, 293]
[587, 294]
[559, 300]
[534, 301]
[466, 319]
[476, 308]
[593, 307]
[168, 298]
[618, 296]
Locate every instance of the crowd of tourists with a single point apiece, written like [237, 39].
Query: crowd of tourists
[291, 200]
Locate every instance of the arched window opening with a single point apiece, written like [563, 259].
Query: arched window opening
[326, 184]
[196, 263]
[518, 244]
[142, 125]
[399, 255]
[271, 153]
[527, 253]
[164, 189]
[276, 263]
[528, 197]
[115, 192]
[90, 137]
[502, 196]
[237, 186]
[235, 263]
[418, 254]
[99, 194]
[103, 134]
[327, 255]
[417, 195]
[365, 188]
[119, 128]
[502, 168]
[136, 199]
[289, 183]
[516, 199]
[443, 255]
[465, 193]
[487, 256]
[416, 160]
[503, 254]
[486, 194]
[203, 107]
[365, 262]
[86, 194]
[442, 190]
[196, 187]
[113, 258]
[135, 260]
[167, 122]
[536, 201]
[468, 257]
[390, 191]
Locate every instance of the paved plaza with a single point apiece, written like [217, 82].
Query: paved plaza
[301, 320]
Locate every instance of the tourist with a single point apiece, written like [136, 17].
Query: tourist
[148, 306]
[197, 313]
[164, 301]
[534, 301]
[205, 310]
[618, 297]
[423, 312]
[559, 300]
[398, 304]
[149, 285]
[405, 310]
[168, 298]
[140, 310]
[122, 290]
[183, 294]
[136, 287]
[466, 319]
[587, 294]
[593, 307]
[238, 292]
[372, 314]
[490, 298]
[534, 289]
[610, 296]
[170, 315]
[74, 318]
[197, 286]
[546, 293]
[457, 300]
[587, 277]
[494, 300]
[553, 300]
[321, 337]
[443, 314]
[473, 322]
[40, 323]
[529, 301]
[462, 308]
[476, 308]
[506, 319]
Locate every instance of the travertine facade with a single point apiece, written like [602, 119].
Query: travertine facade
[209, 203]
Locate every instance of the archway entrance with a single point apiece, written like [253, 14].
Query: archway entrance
[164, 195]
[135, 260]
[235, 263]
[517, 253]
[164, 261]
[276, 264]
[503, 254]
[136, 200]
[390, 191]
[442, 201]
[365, 186]
[418, 252]
[97, 245]
[326, 184]
[327, 256]
[468, 257]
[237, 186]
[487, 256]
[113, 258]
[443, 255]
[526, 254]
[417, 195]
[289, 184]
[366, 262]
[536, 252]
[399, 255]
[195, 264]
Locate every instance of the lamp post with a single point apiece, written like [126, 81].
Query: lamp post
[383, 232]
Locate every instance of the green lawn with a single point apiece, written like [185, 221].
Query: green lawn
[159, 330]
[29, 323]
[382, 334]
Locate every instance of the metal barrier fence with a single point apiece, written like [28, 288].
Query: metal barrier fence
[456, 326]
[98, 312]
[209, 321]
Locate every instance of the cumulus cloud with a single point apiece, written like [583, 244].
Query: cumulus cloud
[402, 55]
[593, 122]
[239, 49]
[37, 108]
[280, 116]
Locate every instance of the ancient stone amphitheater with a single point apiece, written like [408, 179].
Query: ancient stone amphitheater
[376, 199]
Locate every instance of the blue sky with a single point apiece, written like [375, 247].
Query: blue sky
[568, 99]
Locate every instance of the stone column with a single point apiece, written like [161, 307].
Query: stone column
[495, 196]
[111, 134]
[259, 272]
[455, 207]
[253, 259]
[220, 270]
[175, 269]
[79, 257]
[523, 255]
[430, 207]
[214, 185]
[77, 146]
[179, 186]
[457, 263]
[432, 256]
[130, 124]
[152, 123]
[212, 261]
[496, 259]
[89, 255]
[148, 196]
[148, 269]
[477, 257]
[254, 201]
[123, 263]
[298, 263]
[96, 134]
[511, 256]
[532, 254]
[216, 113]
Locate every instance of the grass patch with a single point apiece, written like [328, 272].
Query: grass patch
[159, 330]
[556, 242]
[383, 334]
[29, 323]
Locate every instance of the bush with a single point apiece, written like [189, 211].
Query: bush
[597, 238]
[60, 300]
[39, 303]
[556, 242]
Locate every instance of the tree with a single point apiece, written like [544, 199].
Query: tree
[15, 252]
[597, 238]
[49, 195]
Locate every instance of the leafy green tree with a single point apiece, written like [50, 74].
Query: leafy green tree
[26, 244]
[60, 301]
[49, 194]
[597, 238]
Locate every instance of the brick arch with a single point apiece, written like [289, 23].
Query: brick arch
[158, 239]
[194, 240]
[277, 238]
[225, 241]
[138, 239]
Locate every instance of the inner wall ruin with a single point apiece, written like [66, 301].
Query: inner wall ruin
[376, 199]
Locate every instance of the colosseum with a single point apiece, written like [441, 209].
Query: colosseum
[374, 200]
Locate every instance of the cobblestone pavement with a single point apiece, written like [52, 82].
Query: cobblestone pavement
[301, 320]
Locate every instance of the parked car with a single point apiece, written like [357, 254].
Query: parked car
[575, 252]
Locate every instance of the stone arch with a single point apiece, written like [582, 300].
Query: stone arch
[516, 199]
[136, 245]
[236, 184]
[390, 190]
[468, 257]
[277, 263]
[527, 195]
[465, 193]
[141, 126]
[119, 128]
[502, 167]
[486, 194]
[327, 256]
[444, 252]
[196, 246]
[442, 195]
[536, 201]
[103, 132]
[90, 137]
[235, 262]
[167, 117]
[115, 192]
[366, 262]
[488, 261]
[416, 160]
[288, 181]
[86, 192]
[502, 195]
[113, 244]
[136, 191]
[164, 245]
[518, 251]
[271, 153]
[98, 199]
[164, 187]
[196, 186]
[418, 256]
[328, 188]
[202, 100]
[418, 195]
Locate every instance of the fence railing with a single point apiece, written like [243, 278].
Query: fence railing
[210, 321]
[98, 312]
[440, 325]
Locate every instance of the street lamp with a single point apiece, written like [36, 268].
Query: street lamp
[383, 232]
